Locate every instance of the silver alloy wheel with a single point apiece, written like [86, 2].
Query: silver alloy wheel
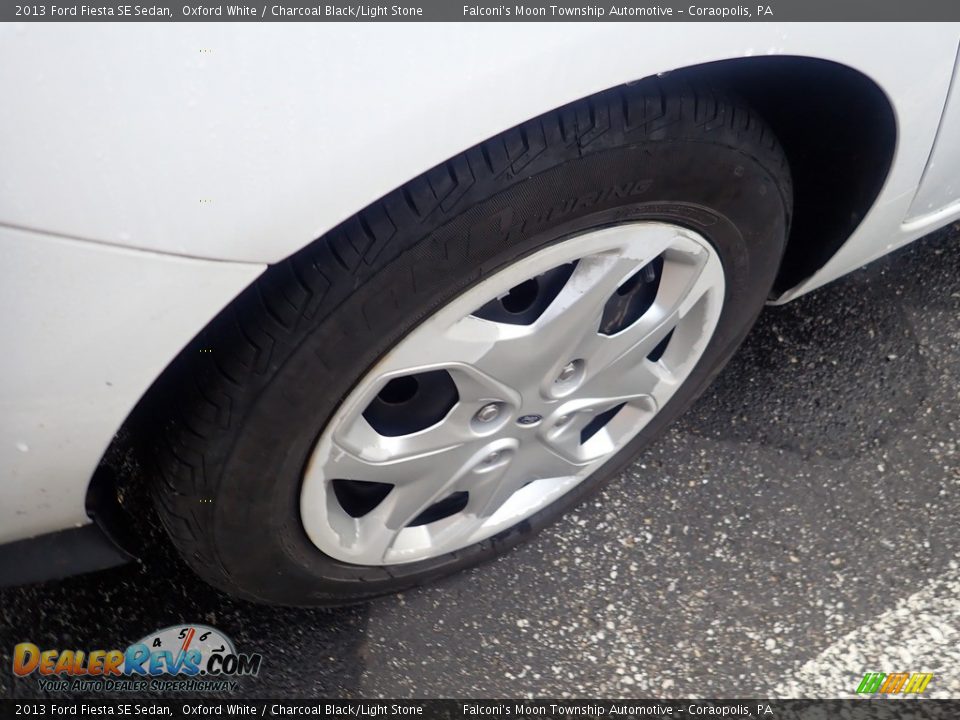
[588, 339]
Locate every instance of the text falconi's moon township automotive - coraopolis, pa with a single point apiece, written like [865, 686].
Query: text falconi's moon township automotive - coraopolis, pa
[619, 11]
[558, 11]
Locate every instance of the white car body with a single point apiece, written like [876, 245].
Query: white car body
[149, 172]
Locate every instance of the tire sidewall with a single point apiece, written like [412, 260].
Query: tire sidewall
[720, 192]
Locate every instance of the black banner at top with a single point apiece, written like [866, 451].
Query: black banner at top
[480, 11]
[504, 709]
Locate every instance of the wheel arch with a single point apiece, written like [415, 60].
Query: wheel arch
[817, 108]
[839, 131]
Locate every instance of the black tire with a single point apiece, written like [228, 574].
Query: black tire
[245, 413]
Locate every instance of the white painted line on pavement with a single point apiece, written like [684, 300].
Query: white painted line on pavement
[921, 633]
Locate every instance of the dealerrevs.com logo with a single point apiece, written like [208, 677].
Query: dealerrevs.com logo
[186, 658]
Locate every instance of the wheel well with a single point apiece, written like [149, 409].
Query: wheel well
[839, 132]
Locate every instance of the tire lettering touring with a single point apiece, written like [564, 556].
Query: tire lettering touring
[510, 227]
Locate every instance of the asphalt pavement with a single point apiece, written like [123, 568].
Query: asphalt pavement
[797, 528]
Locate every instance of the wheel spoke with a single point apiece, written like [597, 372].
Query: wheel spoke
[607, 359]
[630, 413]
[574, 316]
[398, 468]
[490, 488]
[685, 280]
[532, 461]
[615, 365]
[418, 482]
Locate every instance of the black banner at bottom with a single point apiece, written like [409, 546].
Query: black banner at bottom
[865, 709]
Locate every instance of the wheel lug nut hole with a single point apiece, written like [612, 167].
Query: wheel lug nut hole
[489, 417]
[568, 378]
[488, 413]
[493, 460]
